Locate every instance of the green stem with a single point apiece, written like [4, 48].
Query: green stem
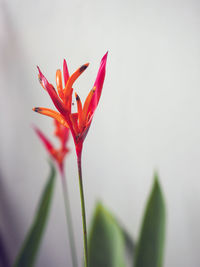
[83, 210]
[69, 220]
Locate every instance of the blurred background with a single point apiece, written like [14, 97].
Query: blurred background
[147, 118]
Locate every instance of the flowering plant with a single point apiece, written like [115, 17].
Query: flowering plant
[108, 241]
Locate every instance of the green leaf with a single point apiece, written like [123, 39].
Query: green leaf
[129, 242]
[150, 247]
[106, 241]
[30, 247]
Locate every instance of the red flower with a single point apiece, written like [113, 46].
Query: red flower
[58, 154]
[80, 121]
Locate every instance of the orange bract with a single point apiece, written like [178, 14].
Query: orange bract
[53, 114]
[58, 154]
[79, 122]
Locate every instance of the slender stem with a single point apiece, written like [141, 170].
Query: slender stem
[69, 220]
[83, 210]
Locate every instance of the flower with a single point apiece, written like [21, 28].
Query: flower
[58, 154]
[79, 122]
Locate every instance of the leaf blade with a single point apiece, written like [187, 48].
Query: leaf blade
[106, 241]
[30, 247]
[150, 247]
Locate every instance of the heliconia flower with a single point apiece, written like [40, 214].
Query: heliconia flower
[78, 122]
[58, 154]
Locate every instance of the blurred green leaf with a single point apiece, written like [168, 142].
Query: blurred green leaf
[149, 249]
[129, 242]
[106, 241]
[30, 247]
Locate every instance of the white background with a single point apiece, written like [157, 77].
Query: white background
[147, 119]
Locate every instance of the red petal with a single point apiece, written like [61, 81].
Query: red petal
[61, 132]
[65, 72]
[74, 120]
[59, 84]
[44, 140]
[65, 135]
[68, 89]
[98, 84]
[52, 93]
